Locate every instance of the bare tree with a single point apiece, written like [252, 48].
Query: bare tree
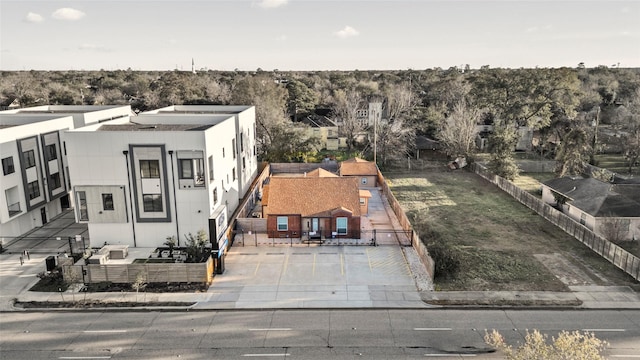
[614, 229]
[394, 141]
[346, 105]
[458, 131]
[568, 345]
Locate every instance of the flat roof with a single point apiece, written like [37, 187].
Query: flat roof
[154, 127]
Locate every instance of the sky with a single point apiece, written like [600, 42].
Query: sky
[316, 35]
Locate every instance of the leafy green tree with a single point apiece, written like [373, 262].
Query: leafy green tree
[270, 101]
[301, 99]
[573, 152]
[196, 246]
[567, 345]
[502, 143]
[289, 143]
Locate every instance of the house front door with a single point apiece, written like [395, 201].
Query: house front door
[314, 225]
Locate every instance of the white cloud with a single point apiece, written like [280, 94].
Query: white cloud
[348, 31]
[267, 4]
[68, 14]
[33, 18]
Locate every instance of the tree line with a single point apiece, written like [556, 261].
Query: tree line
[564, 107]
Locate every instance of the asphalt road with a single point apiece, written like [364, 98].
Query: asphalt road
[296, 334]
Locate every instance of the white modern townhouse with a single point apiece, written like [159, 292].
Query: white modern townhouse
[164, 173]
[35, 181]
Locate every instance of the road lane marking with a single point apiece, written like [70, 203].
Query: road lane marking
[257, 267]
[265, 355]
[369, 261]
[271, 329]
[105, 331]
[602, 330]
[432, 329]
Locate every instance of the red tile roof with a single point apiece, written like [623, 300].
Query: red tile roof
[312, 195]
[357, 166]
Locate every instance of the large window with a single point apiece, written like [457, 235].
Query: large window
[341, 225]
[210, 168]
[149, 169]
[215, 195]
[54, 181]
[107, 202]
[29, 159]
[283, 223]
[82, 206]
[192, 169]
[152, 203]
[50, 152]
[7, 165]
[33, 189]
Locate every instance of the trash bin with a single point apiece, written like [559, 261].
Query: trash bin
[219, 264]
[50, 262]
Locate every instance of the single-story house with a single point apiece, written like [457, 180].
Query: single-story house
[612, 210]
[365, 171]
[312, 207]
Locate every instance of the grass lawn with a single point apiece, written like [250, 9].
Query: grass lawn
[494, 237]
[530, 182]
[615, 163]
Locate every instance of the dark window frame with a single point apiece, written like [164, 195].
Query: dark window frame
[8, 166]
[107, 202]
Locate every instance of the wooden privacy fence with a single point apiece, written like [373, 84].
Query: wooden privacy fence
[618, 256]
[420, 247]
[151, 273]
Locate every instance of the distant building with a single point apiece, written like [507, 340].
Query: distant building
[164, 173]
[326, 131]
[35, 181]
[598, 205]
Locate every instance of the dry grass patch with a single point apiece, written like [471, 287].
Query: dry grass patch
[493, 236]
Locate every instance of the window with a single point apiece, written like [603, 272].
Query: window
[107, 202]
[7, 165]
[222, 152]
[149, 169]
[50, 152]
[186, 169]
[82, 205]
[192, 169]
[29, 159]
[152, 203]
[583, 218]
[363, 181]
[244, 164]
[363, 201]
[283, 223]
[341, 225]
[210, 168]
[215, 195]
[54, 181]
[233, 174]
[241, 143]
[233, 147]
[33, 189]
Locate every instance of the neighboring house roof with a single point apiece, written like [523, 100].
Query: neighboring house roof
[365, 193]
[598, 198]
[357, 166]
[424, 143]
[312, 196]
[320, 172]
[318, 121]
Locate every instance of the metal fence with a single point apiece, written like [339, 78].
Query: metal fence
[619, 257]
[378, 237]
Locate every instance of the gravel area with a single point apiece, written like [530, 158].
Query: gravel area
[418, 271]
